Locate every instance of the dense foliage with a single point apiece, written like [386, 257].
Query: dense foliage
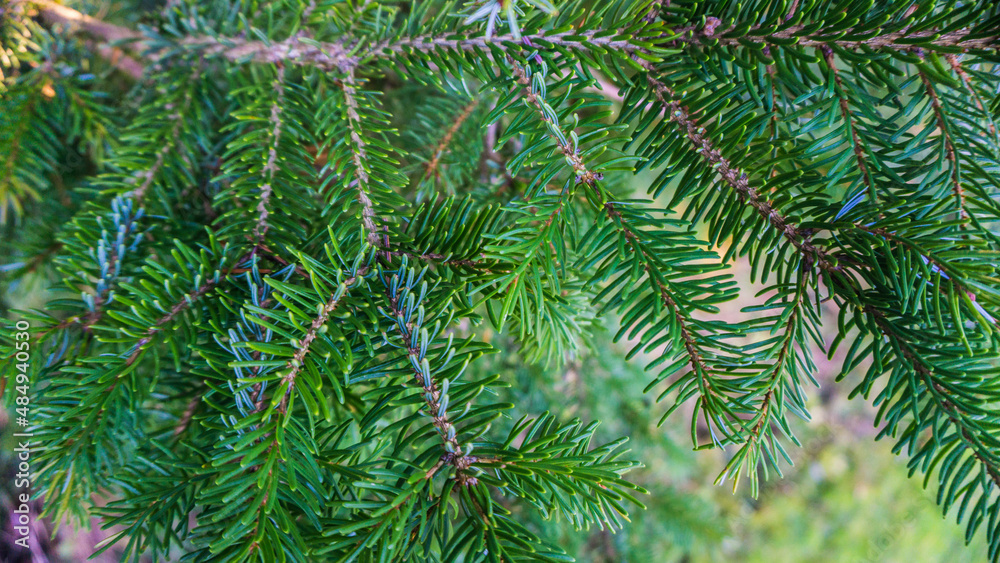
[276, 232]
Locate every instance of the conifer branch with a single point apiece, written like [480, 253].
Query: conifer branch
[949, 145]
[939, 394]
[109, 255]
[338, 56]
[963, 75]
[585, 176]
[350, 53]
[161, 324]
[443, 145]
[294, 365]
[934, 261]
[121, 61]
[97, 394]
[138, 195]
[271, 166]
[787, 344]
[120, 208]
[845, 113]
[358, 156]
[434, 398]
[654, 11]
[335, 408]
[440, 259]
[711, 34]
[132, 203]
[735, 177]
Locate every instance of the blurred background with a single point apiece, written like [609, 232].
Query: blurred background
[847, 498]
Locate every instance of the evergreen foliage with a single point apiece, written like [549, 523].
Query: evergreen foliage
[276, 232]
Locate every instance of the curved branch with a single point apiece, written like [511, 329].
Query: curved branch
[901, 40]
[442, 146]
[949, 145]
[938, 394]
[271, 166]
[736, 178]
[358, 156]
[345, 55]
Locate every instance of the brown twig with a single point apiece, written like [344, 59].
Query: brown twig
[442, 146]
[271, 166]
[901, 40]
[735, 177]
[347, 55]
[294, 366]
[949, 145]
[440, 259]
[845, 112]
[358, 156]
[74, 21]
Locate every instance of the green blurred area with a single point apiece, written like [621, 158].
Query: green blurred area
[847, 497]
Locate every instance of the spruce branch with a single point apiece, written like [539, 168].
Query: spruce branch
[963, 75]
[163, 322]
[939, 393]
[111, 255]
[341, 56]
[845, 114]
[632, 236]
[445, 143]
[345, 55]
[712, 34]
[441, 259]
[176, 115]
[949, 146]
[295, 364]
[937, 264]
[770, 410]
[271, 166]
[359, 156]
[407, 311]
[736, 178]
[187, 416]
[318, 413]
